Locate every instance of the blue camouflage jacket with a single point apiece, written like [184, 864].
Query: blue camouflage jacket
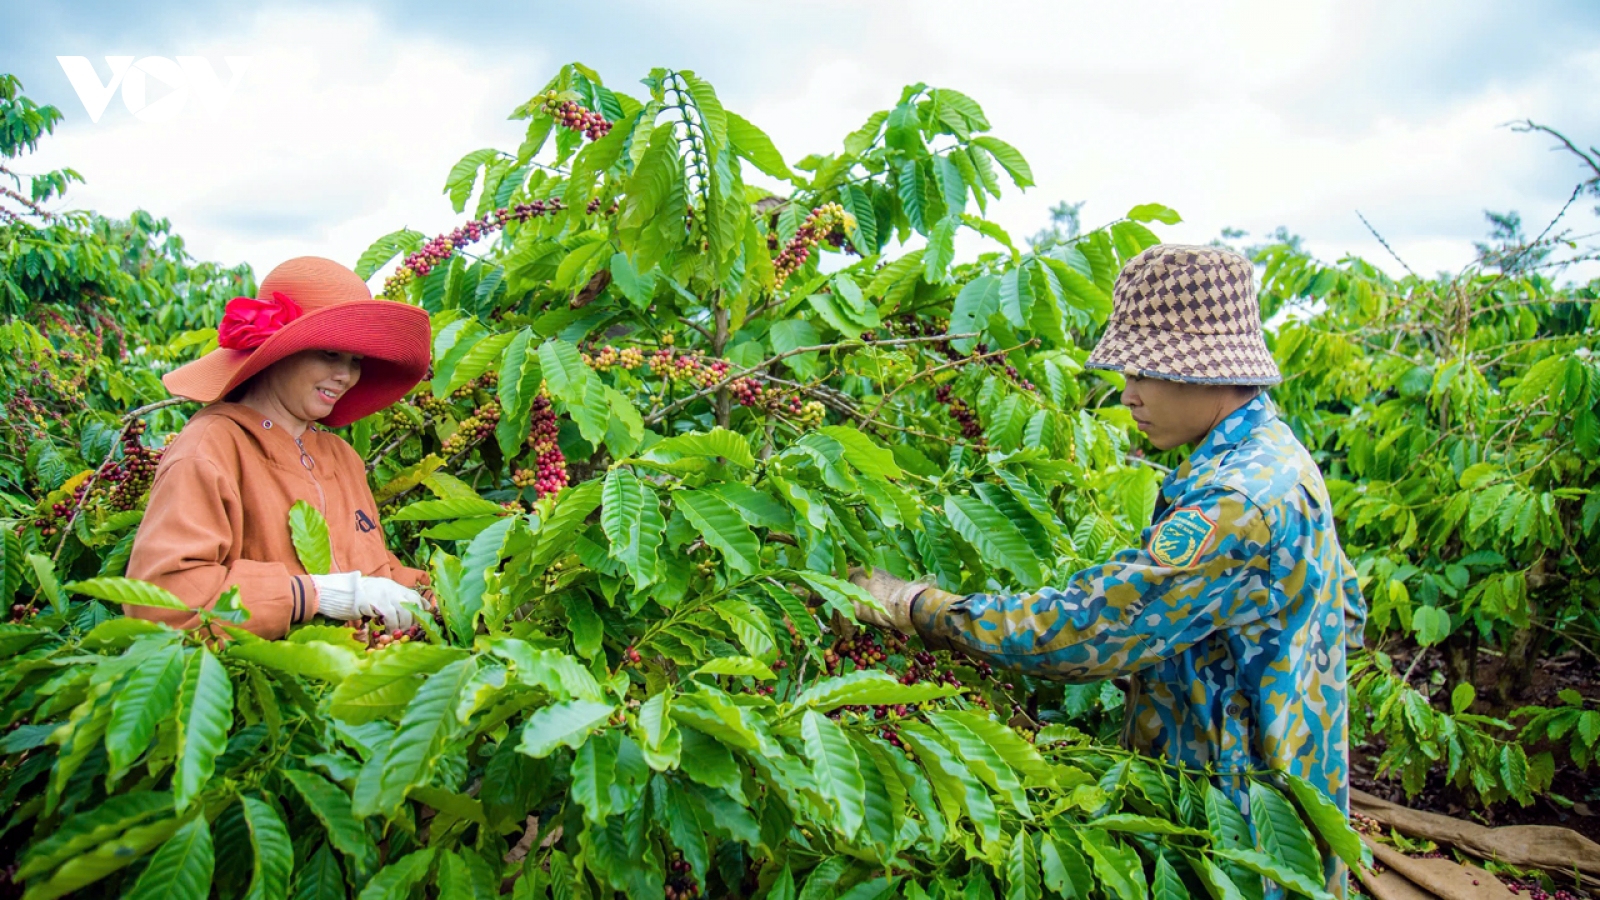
[1232, 619]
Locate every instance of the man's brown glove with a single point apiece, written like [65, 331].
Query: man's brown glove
[895, 595]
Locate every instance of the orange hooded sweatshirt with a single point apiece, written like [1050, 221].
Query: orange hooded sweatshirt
[218, 516]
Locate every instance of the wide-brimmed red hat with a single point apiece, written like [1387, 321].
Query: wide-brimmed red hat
[311, 303]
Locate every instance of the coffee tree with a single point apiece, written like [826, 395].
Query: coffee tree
[1456, 420]
[668, 410]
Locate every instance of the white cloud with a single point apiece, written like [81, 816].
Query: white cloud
[1248, 114]
[342, 130]
[1210, 110]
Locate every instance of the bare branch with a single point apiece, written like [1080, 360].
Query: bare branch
[1528, 125]
[1384, 243]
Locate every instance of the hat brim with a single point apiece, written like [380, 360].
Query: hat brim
[1191, 358]
[392, 338]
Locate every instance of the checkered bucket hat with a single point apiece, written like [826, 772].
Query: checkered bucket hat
[1187, 313]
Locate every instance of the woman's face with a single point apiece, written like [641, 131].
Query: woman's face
[309, 383]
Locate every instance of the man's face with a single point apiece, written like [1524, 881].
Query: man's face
[1174, 413]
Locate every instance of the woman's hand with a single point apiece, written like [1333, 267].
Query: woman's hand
[351, 595]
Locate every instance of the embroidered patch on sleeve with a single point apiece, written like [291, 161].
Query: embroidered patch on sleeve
[1182, 537]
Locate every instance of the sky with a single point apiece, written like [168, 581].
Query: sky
[348, 116]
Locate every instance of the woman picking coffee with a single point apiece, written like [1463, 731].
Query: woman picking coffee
[312, 351]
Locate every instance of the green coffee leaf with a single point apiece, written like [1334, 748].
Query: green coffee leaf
[311, 659]
[387, 681]
[274, 854]
[1332, 825]
[718, 442]
[984, 761]
[85, 830]
[1278, 870]
[181, 869]
[321, 878]
[395, 881]
[1066, 871]
[1280, 833]
[840, 595]
[750, 627]
[309, 532]
[562, 725]
[987, 529]
[1117, 865]
[632, 520]
[738, 667]
[837, 770]
[205, 710]
[144, 700]
[1154, 212]
[428, 722]
[331, 805]
[1168, 885]
[127, 592]
[456, 508]
[1431, 625]
[953, 779]
[1022, 869]
[721, 527]
[868, 687]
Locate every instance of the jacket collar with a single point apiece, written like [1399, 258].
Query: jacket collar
[1232, 431]
[273, 440]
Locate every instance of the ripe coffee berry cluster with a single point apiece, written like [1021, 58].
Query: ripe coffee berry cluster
[473, 429]
[747, 391]
[440, 248]
[971, 428]
[805, 415]
[571, 115]
[371, 631]
[488, 381]
[680, 883]
[550, 464]
[1017, 377]
[51, 522]
[131, 475]
[811, 414]
[864, 650]
[822, 221]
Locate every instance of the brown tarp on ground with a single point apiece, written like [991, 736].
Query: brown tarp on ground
[1426, 879]
[1554, 850]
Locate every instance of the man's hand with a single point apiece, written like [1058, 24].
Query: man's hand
[351, 595]
[895, 595]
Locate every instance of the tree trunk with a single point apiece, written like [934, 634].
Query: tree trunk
[1516, 669]
[1460, 663]
[1526, 645]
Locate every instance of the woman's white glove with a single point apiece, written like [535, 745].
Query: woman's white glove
[351, 595]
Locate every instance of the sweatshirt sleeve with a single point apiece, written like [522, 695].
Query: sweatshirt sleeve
[184, 543]
[1206, 567]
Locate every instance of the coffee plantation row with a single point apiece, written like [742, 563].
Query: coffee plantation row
[657, 433]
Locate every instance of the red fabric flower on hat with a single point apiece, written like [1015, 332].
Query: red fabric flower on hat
[248, 322]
